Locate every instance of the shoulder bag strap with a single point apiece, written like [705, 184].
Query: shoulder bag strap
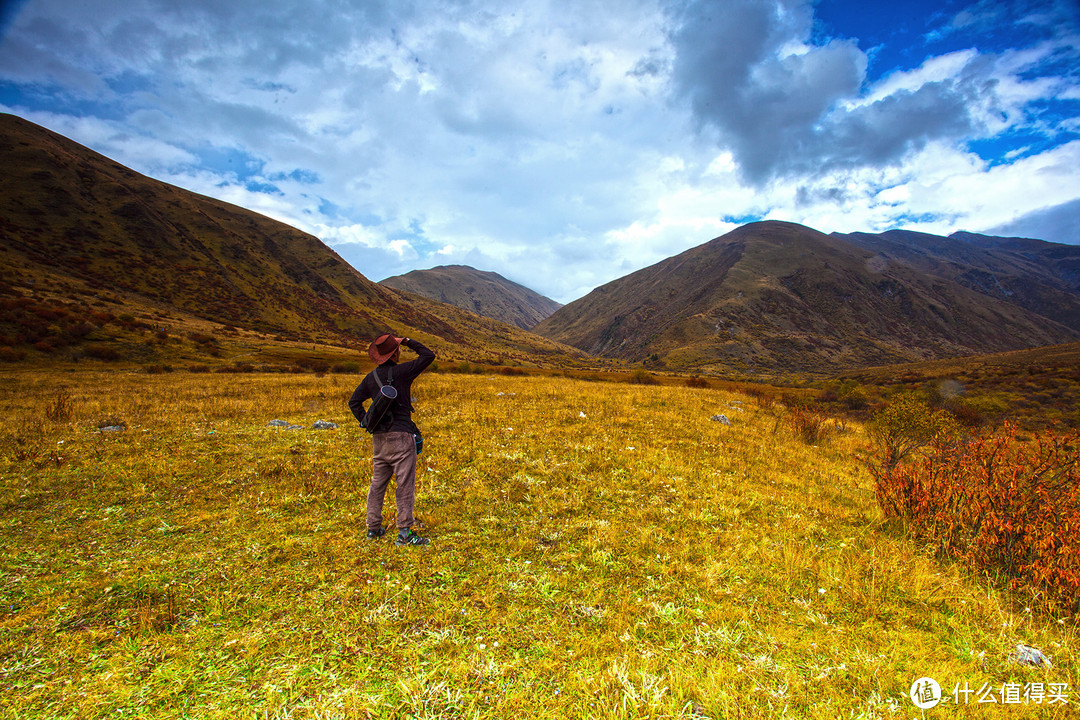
[389, 377]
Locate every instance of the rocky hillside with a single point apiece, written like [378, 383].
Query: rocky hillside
[484, 293]
[1039, 276]
[774, 295]
[77, 226]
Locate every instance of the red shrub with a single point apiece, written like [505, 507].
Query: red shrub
[809, 426]
[1002, 505]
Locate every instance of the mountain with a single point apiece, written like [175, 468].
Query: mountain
[80, 230]
[94, 255]
[776, 295]
[484, 293]
[1039, 276]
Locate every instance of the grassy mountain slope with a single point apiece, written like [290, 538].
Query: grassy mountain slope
[484, 293]
[782, 296]
[1038, 276]
[78, 227]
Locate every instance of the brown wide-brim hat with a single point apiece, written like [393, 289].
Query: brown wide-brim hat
[383, 348]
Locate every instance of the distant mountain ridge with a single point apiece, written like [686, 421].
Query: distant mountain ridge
[80, 232]
[776, 295]
[485, 293]
[76, 224]
[1039, 276]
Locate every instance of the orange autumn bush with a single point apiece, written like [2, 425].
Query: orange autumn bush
[1004, 505]
[809, 426]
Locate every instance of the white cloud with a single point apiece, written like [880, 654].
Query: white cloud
[402, 248]
[111, 139]
[351, 235]
[934, 70]
[559, 144]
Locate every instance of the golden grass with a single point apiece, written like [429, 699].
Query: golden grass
[599, 550]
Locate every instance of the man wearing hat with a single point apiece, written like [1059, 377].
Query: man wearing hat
[394, 443]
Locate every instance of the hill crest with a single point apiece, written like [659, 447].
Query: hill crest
[78, 226]
[777, 295]
[485, 293]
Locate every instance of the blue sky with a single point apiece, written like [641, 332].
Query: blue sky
[566, 144]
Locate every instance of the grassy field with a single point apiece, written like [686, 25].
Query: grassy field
[600, 550]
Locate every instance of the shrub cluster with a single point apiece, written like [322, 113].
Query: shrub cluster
[11, 355]
[848, 394]
[346, 368]
[642, 377]
[102, 352]
[1004, 505]
[315, 365]
[45, 325]
[763, 397]
[462, 368]
[236, 367]
[809, 426]
[209, 343]
[904, 426]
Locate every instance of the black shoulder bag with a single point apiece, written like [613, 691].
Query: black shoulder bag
[379, 415]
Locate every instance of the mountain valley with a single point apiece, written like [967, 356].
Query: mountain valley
[101, 262]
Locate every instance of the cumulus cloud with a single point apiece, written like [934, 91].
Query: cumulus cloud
[561, 145]
[748, 72]
[785, 105]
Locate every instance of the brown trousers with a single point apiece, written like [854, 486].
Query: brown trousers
[393, 454]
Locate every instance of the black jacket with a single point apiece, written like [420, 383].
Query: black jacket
[404, 374]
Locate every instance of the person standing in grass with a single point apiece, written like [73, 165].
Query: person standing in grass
[394, 444]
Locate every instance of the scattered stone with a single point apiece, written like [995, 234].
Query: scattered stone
[721, 419]
[1026, 655]
[317, 425]
[113, 428]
